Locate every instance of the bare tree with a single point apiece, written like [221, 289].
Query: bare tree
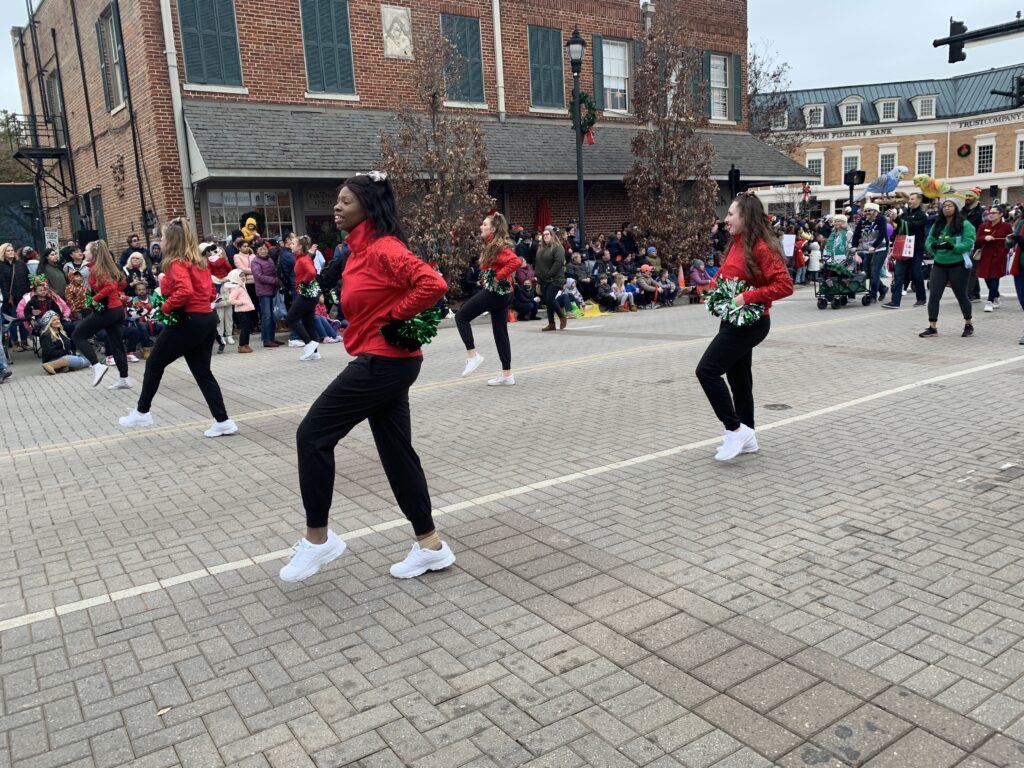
[768, 104]
[671, 192]
[11, 134]
[437, 162]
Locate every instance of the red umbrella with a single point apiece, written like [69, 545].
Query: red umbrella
[543, 218]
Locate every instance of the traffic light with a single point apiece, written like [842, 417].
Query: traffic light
[1018, 90]
[956, 49]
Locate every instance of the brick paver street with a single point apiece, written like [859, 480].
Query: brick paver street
[852, 595]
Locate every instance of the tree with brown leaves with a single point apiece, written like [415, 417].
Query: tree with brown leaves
[437, 162]
[671, 191]
[768, 105]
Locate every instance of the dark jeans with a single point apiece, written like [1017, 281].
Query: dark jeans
[993, 288]
[192, 339]
[245, 327]
[266, 319]
[872, 265]
[111, 321]
[957, 275]
[1018, 285]
[376, 388]
[526, 310]
[554, 307]
[731, 353]
[497, 305]
[906, 273]
[300, 318]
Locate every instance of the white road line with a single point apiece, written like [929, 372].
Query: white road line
[213, 570]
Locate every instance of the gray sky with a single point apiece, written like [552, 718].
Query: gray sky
[823, 44]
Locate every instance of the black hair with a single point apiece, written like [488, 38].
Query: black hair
[377, 199]
[956, 224]
[131, 237]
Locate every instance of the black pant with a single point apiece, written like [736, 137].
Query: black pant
[973, 284]
[111, 321]
[497, 305]
[245, 326]
[957, 275]
[192, 339]
[731, 353]
[300, 318]
[376, 388]
[250, 288]
[554, 308]
[527, 310]
[993, 288]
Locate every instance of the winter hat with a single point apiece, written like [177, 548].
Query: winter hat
[651, 249]
[645, 268]
[697, 264]
[972, 194]
[235, 276]
[952, 200]
[872, 207]
[839, 217]
[47, 317]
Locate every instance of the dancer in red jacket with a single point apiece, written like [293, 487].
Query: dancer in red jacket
[106, 282]
[384, 282]
[307, 294]
[755, 256]
[189, 330]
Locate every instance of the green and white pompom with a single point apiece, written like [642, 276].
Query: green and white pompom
[92, 305]
[413, 333]
[720, 302]
[310, 289]
[169, 319]
[501, 287]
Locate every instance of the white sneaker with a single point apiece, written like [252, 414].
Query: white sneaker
[136, 419]
[295, 343]
[904, 291]
[110, 360]
[308, 351]
[229, 340]
[420, 560]
[501, 381]
[121, 384]
[751, 445]
[132, 358]
[472, 363]
[995, 302]
[732, 445]
[220, 428]
[98, 372]
[988, 306]
[309, 558]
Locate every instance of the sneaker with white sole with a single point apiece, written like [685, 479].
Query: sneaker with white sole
[295, 343]
[98, 372]
[472, 363]
[988, 306]
[420, 560]
[221, 428]
[309, 350]
[751, 445]
[229, 340]
[121, 384]
[995, 302]
[132, 358]
[136, 419]
[732, 445]
[501, 381]
[310, 558]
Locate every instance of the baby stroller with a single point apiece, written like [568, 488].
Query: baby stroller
[838, 284]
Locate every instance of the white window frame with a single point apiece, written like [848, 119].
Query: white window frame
[816, 154]
[888, 149]
[714, 89]
[882, 104]
[232, 224]
[848, 152]
[780, 125]
[919, 101]
[604, 76]
[807, 115]
[850, 101]
[1020, 150]
[114, 64]
[924, 146]
[989, 140]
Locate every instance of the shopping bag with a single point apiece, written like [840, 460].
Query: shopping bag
[903, 247]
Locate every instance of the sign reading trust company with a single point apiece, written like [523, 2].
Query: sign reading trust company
[1012, 117]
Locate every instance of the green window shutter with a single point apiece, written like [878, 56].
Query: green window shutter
[463, 32]
[191, 42]
[597, 43]
[706, 77]
[209, 41]
[104, 73]
[737, 87]
[311, 44]
[328, 46]
[123, 71]
[547, 88]
[231, 64]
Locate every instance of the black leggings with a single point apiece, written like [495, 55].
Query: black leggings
[192, 339]
[497, 304]
[376, 388]
[111, 321]
[731, 353]
[554, 308]
[958, 276]
[300, 318]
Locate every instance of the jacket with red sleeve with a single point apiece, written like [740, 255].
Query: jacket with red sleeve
[106, 290]
[383, 279]
[188, 287]
[774, 282]
[504, 265]
[305, 272]
[992, 263]
[219, 266]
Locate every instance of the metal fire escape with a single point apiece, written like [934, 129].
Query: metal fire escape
[41, 147]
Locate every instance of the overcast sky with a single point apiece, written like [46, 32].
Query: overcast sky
[874, 41]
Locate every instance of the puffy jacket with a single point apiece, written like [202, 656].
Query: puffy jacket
[13, 280]
[264, 274]
[53, 349]
[550, 264]
[645, 281]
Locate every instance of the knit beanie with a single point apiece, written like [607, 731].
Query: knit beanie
[952, 200]
[47, 317]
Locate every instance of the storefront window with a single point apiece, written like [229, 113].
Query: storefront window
[228, 206]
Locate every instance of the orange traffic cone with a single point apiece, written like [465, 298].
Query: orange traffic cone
[512, 316]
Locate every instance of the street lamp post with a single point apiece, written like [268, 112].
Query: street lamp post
[577, 46]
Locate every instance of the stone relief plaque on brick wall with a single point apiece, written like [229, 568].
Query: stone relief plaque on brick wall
[397, 25]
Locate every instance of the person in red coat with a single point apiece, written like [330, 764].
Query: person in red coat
[755, 256]
[991, 244]
[498, 264]
[307, 294]
[383, 282]
[106, 281]
[188, 293]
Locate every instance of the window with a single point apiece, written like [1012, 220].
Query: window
[815, 166]
[99, 221]
[467, 80]
[615, 73]
[209, 40]
[1020, 153]
[925, 107]
[719, 87]
[111, 66]
[886, 161]
[887, 113]
[327, 46]
[55, 108]
[227, 207]
[925, 161]
[780, 120]
[851, 114]
[815, 117]
[985, 157]
[547, 88]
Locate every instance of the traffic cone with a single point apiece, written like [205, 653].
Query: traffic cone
[512, 316]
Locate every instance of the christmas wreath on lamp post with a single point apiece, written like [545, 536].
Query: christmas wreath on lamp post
[588, 118]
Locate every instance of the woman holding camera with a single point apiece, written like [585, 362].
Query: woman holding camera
[950, 242]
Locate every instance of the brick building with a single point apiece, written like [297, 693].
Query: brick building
[954, 129]
[269, 105]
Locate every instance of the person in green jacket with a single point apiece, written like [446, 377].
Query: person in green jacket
[949, 242]
[550, 267]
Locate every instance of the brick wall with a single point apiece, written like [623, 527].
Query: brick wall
[606, 204]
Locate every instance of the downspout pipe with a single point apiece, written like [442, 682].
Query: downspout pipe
[499, 66]
[179, 117]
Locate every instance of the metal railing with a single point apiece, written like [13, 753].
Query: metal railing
[25, 133]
